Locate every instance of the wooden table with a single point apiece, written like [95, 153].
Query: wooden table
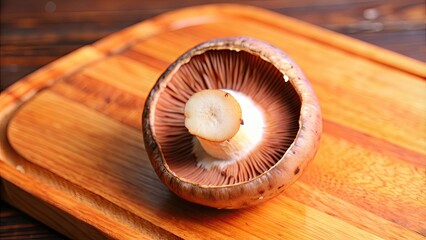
[39, 32]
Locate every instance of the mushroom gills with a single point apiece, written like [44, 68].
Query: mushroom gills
[243, 73]
[227, 125]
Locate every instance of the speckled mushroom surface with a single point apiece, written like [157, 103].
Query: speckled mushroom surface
[274, 83]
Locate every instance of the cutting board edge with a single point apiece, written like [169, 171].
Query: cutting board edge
[22, 199]
[187, 16]
[34, 192]
[12, 164]
[28, 86]
[25, 89]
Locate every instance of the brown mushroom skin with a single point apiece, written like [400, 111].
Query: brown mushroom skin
[269, 184]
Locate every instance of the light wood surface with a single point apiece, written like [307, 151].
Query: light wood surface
[73, 156]
[38, 32]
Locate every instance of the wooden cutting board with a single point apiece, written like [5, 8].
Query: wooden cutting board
[72, 153]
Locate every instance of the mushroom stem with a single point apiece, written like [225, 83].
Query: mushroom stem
[227, 124]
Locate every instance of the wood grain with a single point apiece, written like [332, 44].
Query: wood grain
[38, 32]
[74, 137]
[10, 223]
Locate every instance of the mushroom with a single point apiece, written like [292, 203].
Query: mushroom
[231, 123]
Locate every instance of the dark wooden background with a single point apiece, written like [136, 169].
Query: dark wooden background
[35, 33]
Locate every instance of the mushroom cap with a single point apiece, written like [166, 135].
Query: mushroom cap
[293, 123]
